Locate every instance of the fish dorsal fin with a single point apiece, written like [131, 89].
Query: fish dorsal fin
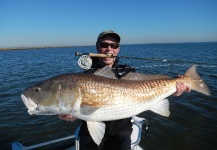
[144, 77]
[96, 130]
[105, 72]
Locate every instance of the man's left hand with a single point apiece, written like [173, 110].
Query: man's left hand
[180, 88]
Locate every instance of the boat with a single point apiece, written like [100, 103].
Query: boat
[135, 138]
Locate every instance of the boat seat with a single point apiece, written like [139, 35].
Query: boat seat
[135, 136]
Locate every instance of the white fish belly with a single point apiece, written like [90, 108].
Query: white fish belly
[120, 111]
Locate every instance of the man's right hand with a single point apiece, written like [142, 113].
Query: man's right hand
[67, 117]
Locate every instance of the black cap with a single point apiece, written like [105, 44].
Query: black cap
[111, 33]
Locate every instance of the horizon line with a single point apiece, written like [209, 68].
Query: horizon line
[38, 47]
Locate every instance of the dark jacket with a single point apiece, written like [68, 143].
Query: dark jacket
[120, 70]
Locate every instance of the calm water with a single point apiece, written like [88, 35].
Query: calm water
[191, 125]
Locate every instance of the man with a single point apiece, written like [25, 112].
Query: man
[118, 132]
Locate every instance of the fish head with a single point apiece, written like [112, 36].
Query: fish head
[50, 97]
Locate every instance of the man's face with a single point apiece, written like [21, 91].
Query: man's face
[108, 45]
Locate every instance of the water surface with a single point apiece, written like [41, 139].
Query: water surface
[191, 125]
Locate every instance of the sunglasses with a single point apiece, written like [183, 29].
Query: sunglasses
[105, 45]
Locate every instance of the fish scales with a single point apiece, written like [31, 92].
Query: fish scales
[103, 89]
[124, 100]
[94, 97]
[99, 97]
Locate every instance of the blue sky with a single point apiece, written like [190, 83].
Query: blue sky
[26, 23]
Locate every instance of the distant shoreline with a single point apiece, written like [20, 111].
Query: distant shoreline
[25, 48]
[40, 47]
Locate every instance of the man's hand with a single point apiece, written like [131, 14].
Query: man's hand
[67, 117]
[180, 88]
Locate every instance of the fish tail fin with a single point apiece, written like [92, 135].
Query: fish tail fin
[197, 82]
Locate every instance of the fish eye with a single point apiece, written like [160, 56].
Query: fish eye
[37, 89]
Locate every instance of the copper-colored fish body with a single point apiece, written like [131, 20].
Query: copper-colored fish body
[100, 97]
[94, 97]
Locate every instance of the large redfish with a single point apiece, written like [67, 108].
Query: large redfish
[101, 97]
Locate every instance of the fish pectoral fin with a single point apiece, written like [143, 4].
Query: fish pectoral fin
[96, 130]
[161, 108]
[77, 105]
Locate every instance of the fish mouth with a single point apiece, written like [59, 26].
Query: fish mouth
[30, 104]
[36, 109]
